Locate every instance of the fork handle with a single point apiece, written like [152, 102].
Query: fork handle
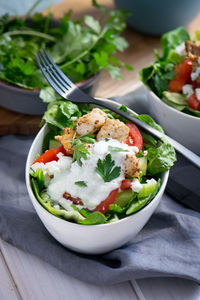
[191, 156]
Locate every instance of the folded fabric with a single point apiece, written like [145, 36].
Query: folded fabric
[169, 244]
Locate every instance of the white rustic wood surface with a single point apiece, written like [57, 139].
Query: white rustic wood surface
[23, 276]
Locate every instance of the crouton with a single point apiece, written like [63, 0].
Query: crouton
[131, 166]
[113, 129]
[66, 139]
[192, 50]
[90, 123]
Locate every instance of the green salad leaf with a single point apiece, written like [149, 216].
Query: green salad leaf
[139, 203]
[161, 155]
[93, 219]
[172, 39]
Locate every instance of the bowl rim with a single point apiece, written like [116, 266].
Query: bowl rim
[18, 89]
[170, 107]
[164, 178]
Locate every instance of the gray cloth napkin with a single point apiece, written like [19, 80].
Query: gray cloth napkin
[169, 244]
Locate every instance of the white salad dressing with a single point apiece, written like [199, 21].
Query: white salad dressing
[180, 49]
[136, 185]
[96, 190]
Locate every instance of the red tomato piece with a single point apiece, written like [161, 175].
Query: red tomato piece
[135, 137]
[61, 149]
[50, 155]
[184, 70]
[125, 184]
[193, 102]
[47, 156]
[104, 205]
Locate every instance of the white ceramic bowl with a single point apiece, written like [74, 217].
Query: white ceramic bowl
[182, 127]
[90, 239]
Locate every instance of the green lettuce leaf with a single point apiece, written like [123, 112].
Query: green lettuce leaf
[160, 159]
[172, 39]
[93, 219]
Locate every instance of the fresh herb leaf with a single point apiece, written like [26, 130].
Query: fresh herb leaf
[80, 47]
[81, 184]
[39, 176]
[89, 139]
[116, 149]
[80, 150]
[105, 168]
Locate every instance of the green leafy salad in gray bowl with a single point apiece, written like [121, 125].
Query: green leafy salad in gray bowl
[81, 48]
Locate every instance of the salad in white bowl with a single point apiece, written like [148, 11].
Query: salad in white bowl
[96, 167]
[175, 75]
[172, 85]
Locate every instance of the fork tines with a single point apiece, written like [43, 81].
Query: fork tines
[56, 78]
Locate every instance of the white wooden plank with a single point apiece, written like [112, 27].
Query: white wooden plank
[7, 288]
[169, 289]
[38, 280]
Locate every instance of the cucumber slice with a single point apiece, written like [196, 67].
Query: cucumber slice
[124, 197]
[53, 144]
[147, 188]
[143, 164]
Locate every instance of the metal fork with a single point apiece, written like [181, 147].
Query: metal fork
[68, 90]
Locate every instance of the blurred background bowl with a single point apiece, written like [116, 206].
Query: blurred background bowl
[156, 16]
[28, 102]
[182, 127]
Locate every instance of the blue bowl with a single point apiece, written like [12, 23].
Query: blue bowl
[158, 16]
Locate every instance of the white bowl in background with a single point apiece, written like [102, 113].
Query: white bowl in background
[182, 127]
[90, 239]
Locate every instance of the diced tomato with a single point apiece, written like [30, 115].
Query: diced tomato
[135, 137]
[104, 205]
[184, 70]
[61, 149]
[125, 184]
[50, 155]
[193, 102]
[47, 156]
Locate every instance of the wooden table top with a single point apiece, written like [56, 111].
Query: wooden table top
[139, 54]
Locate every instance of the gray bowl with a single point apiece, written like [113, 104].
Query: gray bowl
[28, 102]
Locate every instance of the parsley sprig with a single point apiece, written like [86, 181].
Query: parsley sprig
[105, 168]
[80, 150]
[81, 184]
